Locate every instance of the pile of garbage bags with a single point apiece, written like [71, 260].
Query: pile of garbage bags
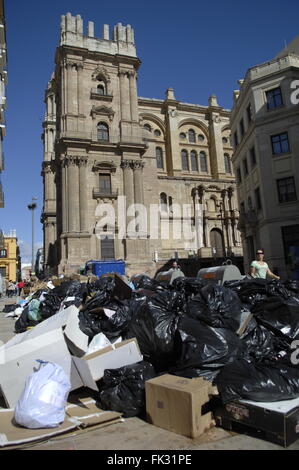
[240, 336]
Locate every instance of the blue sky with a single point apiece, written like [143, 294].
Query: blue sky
[196, 47]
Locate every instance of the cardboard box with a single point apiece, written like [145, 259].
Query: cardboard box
[19, 361]
[179, 405]
[91, 367]
[276, 422]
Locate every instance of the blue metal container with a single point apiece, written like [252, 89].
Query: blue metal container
[99, 267]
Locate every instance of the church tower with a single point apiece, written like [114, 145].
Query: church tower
[93, 147]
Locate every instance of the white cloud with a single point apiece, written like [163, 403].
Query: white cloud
[25, 250]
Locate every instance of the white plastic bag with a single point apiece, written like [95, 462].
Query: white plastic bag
[43, 400]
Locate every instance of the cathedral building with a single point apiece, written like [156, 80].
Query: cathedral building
[160, 167]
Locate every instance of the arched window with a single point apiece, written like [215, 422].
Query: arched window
[101, 89]
[185, 160]
[203, 161]
[249, 201]
[227, 164]
[103, 131]
[147, 127]
[163, 202]
[194, 161]
[159, 158]
[3, 253]
[170, 204]
[191, 135]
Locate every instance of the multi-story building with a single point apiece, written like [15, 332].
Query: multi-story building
[3, 81]
[104, 144]
[10, 261]
[265, 131]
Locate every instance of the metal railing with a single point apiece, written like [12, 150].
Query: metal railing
[100, 193]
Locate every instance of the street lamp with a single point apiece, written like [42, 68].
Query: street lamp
[31, 207]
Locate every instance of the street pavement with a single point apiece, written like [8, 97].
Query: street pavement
[136, 434]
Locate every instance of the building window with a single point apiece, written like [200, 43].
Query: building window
[224, 140]
[185, 160]
[107, 248]
[239, 175]
[258, 201]
[201, 137]
[203, 162]
[103, 131]
[249, 113]
[101, 89]
[252, 157]
[249, 203]
[236, 142]
[286, 189]
[227, 164]
[290, 237]
[3, 253]
[182, 135]
[194, 161]
[245, 167]
[242, 207]
[191, 136]
[280, 143]
[159, 158]
[242, 128]
[147, 127]
[157, 133]
[274, 98]
[105, 183]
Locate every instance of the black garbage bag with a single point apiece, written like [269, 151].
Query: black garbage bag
[258, 381]
[142, 281]
[203, 349]
[154, 323]
[189, 285]
[259, 341]
[123, 389]
[104, 284]
[292, 286]
[50, 305]
[251, 291]
[23, 322]
[280, 316]
[10, 308]
[216, 306]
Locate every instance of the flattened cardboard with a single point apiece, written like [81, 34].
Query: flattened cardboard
[77, 340]
[78, 417]
[20, 362]
[13, 434]
[91, 367]
[176, 404]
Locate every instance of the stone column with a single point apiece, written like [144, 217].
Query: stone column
[64, 201]
[72, 101]
[80, 87]
[133, 96]
[124, 96]
[83, 193]
[126, 165]
[138, 181]
[73, 195]
[201, 195]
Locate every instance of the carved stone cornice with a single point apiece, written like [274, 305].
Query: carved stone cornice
[100, 73]
[125, 164]
[102, 111]
[109, 166]
[48, 167]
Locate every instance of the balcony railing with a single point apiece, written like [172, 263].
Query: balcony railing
[98, 193]
[95, 137]
[95, 95]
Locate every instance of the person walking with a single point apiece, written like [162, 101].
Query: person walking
[259, 268]
[11, 288]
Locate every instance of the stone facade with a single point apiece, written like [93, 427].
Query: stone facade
[10, 261]
[265, 130]
[104, 144]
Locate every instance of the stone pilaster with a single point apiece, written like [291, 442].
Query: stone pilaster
[126, 165]
[124, 96]
[80, 88]
[133, 96]
[83, 193]
[138, 181]
[73, 194]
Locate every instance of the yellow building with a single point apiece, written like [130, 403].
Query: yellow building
[10, 257]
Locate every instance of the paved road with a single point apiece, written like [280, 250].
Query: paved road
[136, 434]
